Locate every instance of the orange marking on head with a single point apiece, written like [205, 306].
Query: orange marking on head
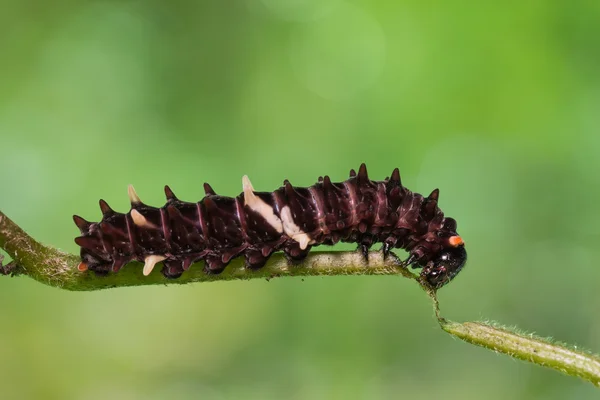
[456, 241]
[82, 267]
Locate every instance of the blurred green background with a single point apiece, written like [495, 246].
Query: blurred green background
[497, 104]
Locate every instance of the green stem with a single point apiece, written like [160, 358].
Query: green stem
[524, 346]
[55, 268]
[528, 348]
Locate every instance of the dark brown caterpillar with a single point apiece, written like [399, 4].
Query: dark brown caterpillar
[256, 224]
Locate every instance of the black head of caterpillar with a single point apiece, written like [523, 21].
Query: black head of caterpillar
[445, 266]
[255, 224]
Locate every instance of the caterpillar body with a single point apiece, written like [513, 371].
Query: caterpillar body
[291, 219]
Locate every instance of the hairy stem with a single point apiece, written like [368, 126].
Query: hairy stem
[528, 348]
[524, 346]
[55, 268]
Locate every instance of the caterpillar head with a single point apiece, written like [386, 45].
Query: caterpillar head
[445, 266]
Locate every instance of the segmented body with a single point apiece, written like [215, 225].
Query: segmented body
[256, 224]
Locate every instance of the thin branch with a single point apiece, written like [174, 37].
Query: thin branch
[528, 347]
[55, 268]
[59, 269]
[524, 346]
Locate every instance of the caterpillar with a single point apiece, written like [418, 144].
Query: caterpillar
[291, 219]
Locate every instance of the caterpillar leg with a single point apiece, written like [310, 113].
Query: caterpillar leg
[386, 248]
[364, 249]
[294, 253]
[255, 259]
[366, 241]
[389, 243]
[412, 259]
[417, 257]
[214, 264]
[172, 269]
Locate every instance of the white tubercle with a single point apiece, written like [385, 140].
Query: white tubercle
[140, 220]
[133, 196]
[293, 230]
[150, 262]
[257, 205]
